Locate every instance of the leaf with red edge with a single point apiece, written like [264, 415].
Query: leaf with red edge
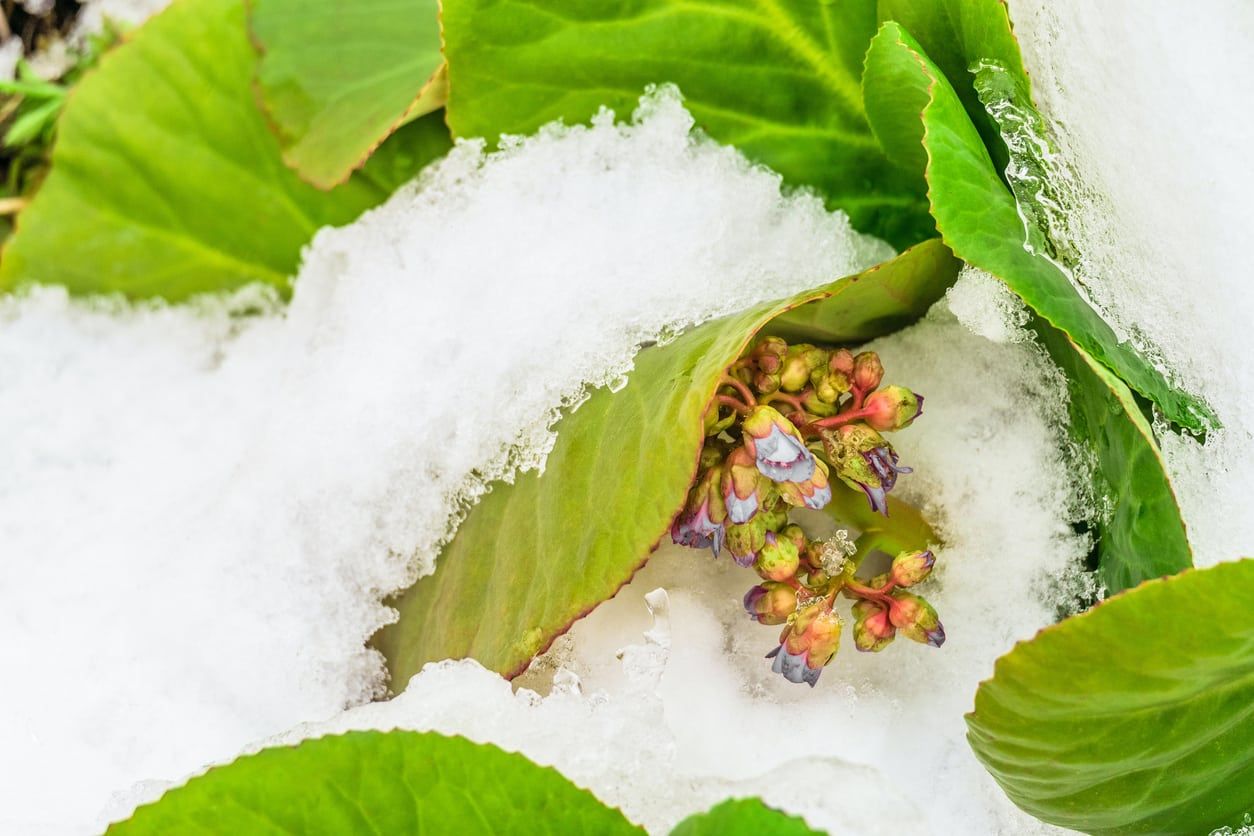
[536, 555]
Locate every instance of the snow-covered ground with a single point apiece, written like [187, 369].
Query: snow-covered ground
[201, 507]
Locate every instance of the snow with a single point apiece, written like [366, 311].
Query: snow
[202, 507]
[1144, 96]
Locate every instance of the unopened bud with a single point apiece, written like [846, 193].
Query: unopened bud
[774, 512]
[916, 619]
[745, 540]
[778, 558]
[841, 362]
[910, 568]
[799, 363]
[872, 631]
[867, 371]
[796, 535]
[739, 486]
[817, 406]
[894, 408]
[830, 386]
[771, 602]
[766, 382]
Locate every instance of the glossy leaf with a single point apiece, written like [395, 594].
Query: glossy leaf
[1134, 717]
[535, 556]
[166, 180]
[909, 101]
[954, 33]
[743, 817]
[336, 78]
[777, 79]
[373, 782]
[1140, 535]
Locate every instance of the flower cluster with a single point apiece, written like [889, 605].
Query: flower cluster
[785, 420]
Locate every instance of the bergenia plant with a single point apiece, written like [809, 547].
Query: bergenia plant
[784, 421]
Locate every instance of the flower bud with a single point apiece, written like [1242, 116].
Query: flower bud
[893, 408]
[799, 364]
[865, 461]
[774, 513]
[778, 558]
[867, 371]
[739, 486]
[745, 540]
[910, 568]
[776, 445]
[807, 645]
[916, 619]
[814, 493]
[817, 406]
[769, 352]
[771, 602]
[766, 382]
[830, 386]
[700, 523]
[796, 535]
[872, 631]
[841, 363]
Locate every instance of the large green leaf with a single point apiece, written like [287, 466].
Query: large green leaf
[336, 78]
[779, 79]
[166, 180]
[1140, 534]
[379, 783]
[910, 101]
[954, 33]
[535, 556]
[743, 817]
[1134, 717]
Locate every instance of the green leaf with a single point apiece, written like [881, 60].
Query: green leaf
[1141, 535]
[165, 178]
[778, 79]
[375, 783]
[1134, 717]
[535, 556]
[910, 101]
[955, 33]
[336, 78]
[743, 817]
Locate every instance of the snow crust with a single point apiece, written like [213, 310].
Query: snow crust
[202, 507]
[1143, 97]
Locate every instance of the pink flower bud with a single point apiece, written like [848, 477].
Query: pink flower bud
[842, 362]
[894, 408]
[910, 568]
[740, 486]
[872, 631]
[867, 371]
[916, 619]
[771, 602]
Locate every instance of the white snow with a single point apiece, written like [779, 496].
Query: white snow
[1148, 98]
[200, 509]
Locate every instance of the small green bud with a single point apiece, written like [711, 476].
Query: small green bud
[778, 559]
[745, 540]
